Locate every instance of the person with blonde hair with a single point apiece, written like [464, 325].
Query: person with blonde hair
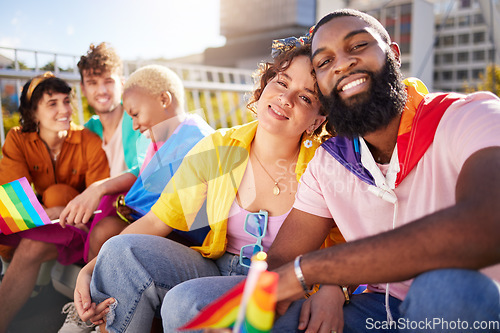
[154, 98]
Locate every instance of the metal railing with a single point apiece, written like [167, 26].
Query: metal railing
[216, 93]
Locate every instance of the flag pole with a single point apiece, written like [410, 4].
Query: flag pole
[57, 220]
[257, 266]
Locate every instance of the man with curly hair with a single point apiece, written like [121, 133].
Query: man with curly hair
[101, 72]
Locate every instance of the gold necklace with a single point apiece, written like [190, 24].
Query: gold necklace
[276, 188]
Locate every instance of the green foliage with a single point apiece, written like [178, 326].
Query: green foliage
[21, 65]
[224, 107]
[489, 82]
[51, 67]
[88, 111]
[9, 120]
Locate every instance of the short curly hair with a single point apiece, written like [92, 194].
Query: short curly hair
[100, 59]
[29, 101]
[348, 12]
[268, 70]
[156, 79]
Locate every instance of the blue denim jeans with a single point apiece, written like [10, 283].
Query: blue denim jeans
[447, 300]
[185, 300]
[138, 270]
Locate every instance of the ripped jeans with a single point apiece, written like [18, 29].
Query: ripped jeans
[138, 270]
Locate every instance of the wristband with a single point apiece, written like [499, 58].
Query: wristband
[345, 290]
[299, 275]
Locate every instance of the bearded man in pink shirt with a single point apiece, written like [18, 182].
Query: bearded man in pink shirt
[412, 180]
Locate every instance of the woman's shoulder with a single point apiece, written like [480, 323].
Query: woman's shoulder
[15, 131]
[16, 134]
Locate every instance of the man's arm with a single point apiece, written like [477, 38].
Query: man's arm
[462, 236]
[300, 233]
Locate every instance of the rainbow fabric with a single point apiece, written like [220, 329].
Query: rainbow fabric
[19, 208]
[223, 311]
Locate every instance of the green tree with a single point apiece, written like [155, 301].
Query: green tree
[48, 67]
[489, 82]
[21, 65]
[9, 120]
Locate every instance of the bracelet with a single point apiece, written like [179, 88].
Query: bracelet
[299, 275]
[345, 290]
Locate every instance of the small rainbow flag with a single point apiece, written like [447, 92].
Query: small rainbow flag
[258, 309]
[19, 208]
[259, 312]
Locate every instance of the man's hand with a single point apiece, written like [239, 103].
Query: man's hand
[323, 311]
[289, 288]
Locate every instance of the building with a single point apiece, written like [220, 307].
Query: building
[251, 26]
[465, 42]
[446, 43]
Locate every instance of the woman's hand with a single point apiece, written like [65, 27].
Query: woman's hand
[83, 302]
[323, 311]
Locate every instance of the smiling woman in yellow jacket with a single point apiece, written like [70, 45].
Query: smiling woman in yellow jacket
[239, 172]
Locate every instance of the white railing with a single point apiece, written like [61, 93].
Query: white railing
[216, 93]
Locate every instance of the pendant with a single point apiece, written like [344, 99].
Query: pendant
[276, 189]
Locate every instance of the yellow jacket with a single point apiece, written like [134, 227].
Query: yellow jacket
[213, 170]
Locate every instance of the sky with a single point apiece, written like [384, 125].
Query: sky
[143, 29]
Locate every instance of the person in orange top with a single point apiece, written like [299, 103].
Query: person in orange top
[60, 160]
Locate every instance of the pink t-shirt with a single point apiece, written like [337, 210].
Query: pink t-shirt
[114, 152]
[236, 235]
[329, 190]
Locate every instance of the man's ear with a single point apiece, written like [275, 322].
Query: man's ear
[394, 48]
[166, 99]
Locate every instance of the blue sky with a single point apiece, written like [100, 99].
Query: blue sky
[141, 29]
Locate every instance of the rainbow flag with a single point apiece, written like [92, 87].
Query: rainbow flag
[259, 312]
[19, 208]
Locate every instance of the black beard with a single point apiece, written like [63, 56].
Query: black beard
[367, 112]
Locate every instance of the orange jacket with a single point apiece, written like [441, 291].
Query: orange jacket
[80, 163]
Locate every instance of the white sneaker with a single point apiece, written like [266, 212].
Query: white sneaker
[73, 323]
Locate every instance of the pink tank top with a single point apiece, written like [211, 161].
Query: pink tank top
[236, 235]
